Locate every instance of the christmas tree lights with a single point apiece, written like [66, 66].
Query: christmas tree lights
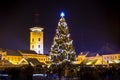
[62, 46]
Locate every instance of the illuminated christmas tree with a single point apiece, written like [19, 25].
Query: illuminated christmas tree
[62, 46]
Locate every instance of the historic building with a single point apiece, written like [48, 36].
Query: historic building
[81, 57]
[96, 59]
[112, 58]
[11, 56]
[16, 57]
[32, 56]
[36, 39]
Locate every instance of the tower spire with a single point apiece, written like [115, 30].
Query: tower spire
[36, 18]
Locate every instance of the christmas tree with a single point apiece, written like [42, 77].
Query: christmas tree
[62, 47]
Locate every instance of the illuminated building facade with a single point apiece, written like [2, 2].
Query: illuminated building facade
[97, 59]
[15, 57]
[36, 39]
[12, 56]
[18, 57]
[81, 57]
[112, 58]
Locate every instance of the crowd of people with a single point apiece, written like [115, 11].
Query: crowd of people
[18, 73]
[83, 73]
[67, 72]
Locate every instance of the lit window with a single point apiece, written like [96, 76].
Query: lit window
[38, 46]
[32, 39]
[18, 59]
[115, 57]
[119, 57]
[110, 57]
[104, 57]
[38, 51]
[12, 58]
[38, 39]
[15, 58]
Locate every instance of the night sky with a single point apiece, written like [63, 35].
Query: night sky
[93, 24]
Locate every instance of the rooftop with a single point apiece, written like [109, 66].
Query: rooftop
[12, 52]
[27, 52]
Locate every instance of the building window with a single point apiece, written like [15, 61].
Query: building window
[119, 57]
[38, 46]
[12, 58]
[32, 46]
[110, 58]
[38, 39]
[32, 39]
[115, 57]
[104, 57]
[38, 51]
[107, 57]
[18, 59]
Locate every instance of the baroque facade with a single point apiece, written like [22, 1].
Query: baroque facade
[16, 56]
[36, 39]
[97, 59]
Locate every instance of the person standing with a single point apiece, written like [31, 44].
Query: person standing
[67, 73]
[29, 72]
